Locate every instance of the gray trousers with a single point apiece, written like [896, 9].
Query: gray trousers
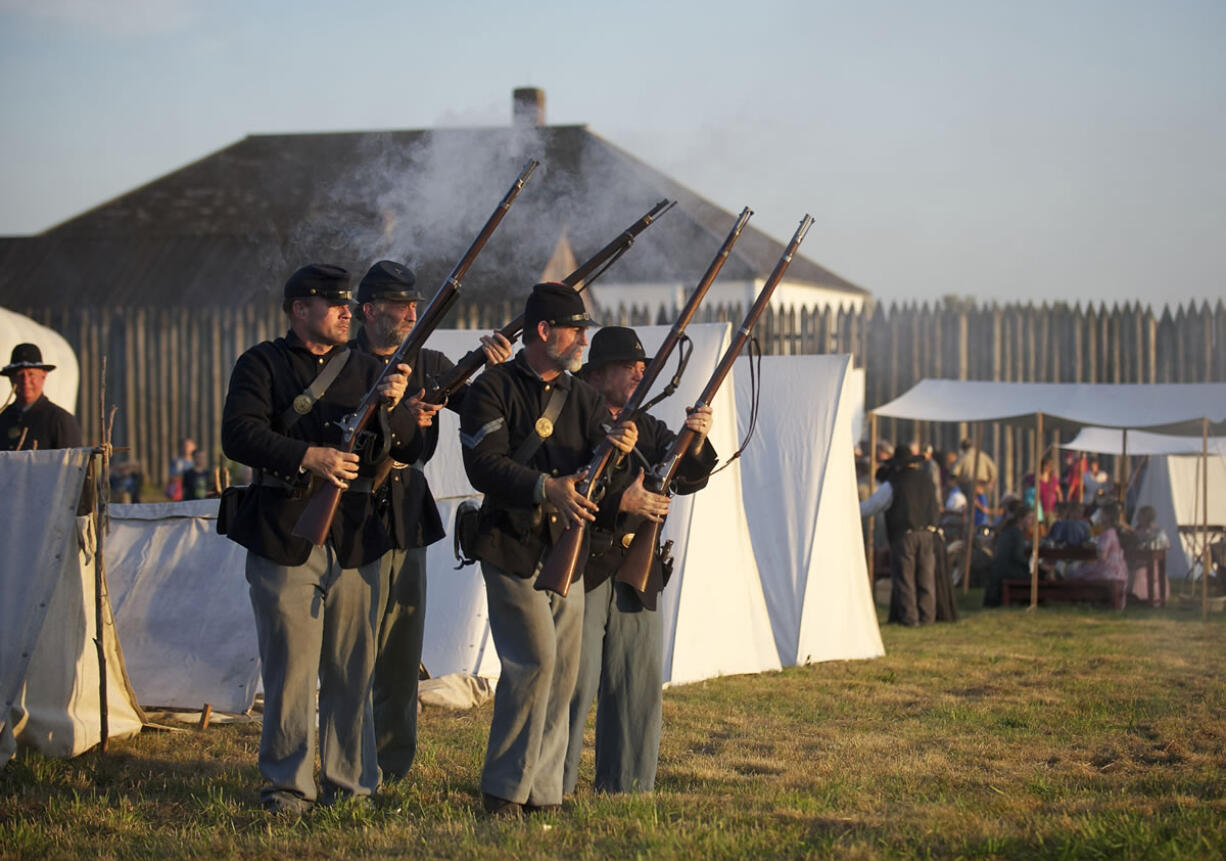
[621, 665]
[537, 635]
[402, 623]
[914, 576]
[315, 624]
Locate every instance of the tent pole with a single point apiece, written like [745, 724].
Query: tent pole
[1124, 474]
[870, 548]
[968, 545]
[101, 490]
[1204, 507]
[1034, 547]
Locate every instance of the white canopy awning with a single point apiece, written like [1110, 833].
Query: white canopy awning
[1111, 441]
[1175, 408]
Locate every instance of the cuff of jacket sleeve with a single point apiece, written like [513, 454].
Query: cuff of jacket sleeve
[538, 492]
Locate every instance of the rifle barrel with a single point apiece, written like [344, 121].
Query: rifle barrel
[316, 519]
[635, 569]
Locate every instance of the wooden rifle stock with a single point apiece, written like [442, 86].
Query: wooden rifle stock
[316, 519]
[558, 570]
[635, 569]
[473, 360]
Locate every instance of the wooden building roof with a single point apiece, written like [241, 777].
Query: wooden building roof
[230, 227]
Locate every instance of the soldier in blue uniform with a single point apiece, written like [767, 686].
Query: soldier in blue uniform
[387, 298]
[315, 606]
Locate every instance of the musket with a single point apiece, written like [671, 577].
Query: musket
[636, 568]
[558, 571]
[316, 519]
[438, 391]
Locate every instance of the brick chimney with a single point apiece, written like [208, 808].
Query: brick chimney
[528, 107]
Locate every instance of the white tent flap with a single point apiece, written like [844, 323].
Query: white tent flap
[49, 672]
[799, 491]
[181, 603]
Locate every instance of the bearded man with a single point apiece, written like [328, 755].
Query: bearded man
[387, 298]
[527, 429]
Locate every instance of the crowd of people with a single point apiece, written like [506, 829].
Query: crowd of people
[1077, 507]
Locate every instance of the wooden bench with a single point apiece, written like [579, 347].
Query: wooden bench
[1154, 562]
[1105, 592]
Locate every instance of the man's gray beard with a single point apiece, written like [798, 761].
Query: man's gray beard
[384, 338]
[572, 363]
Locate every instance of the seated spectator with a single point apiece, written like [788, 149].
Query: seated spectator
[1011, 555]
[956, 500]
[1147, 535]
[1110, 564]
[1072, 529]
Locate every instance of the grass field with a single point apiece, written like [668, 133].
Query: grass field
[1067, 733]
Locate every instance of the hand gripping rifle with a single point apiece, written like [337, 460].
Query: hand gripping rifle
[558, 570]
[636, 568]
[316, 519]
[438, 391]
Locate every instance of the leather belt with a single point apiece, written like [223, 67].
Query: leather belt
[361, 484]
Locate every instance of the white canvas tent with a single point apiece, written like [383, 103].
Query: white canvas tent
[716, 622]
[61, 385]
[799, 490]
[1176, 408]
[181, 604]
[49, 671]
[1172, 484]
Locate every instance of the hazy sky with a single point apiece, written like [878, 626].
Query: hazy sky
[1055, 150]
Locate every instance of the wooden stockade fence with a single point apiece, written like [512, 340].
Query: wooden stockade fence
[169, 368]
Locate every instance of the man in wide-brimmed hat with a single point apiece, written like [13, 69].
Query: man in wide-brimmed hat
[621, 659]
[32, 421]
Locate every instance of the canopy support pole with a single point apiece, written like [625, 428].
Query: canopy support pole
[1206, 557]
[968, 544]
[1124, 474]
[1034, 540]
[870, 548]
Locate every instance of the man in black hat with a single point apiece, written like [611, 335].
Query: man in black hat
[32, 421]
[911, 518]
[623, 640]
[388, 297]
[527, 429]
[315, 607]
